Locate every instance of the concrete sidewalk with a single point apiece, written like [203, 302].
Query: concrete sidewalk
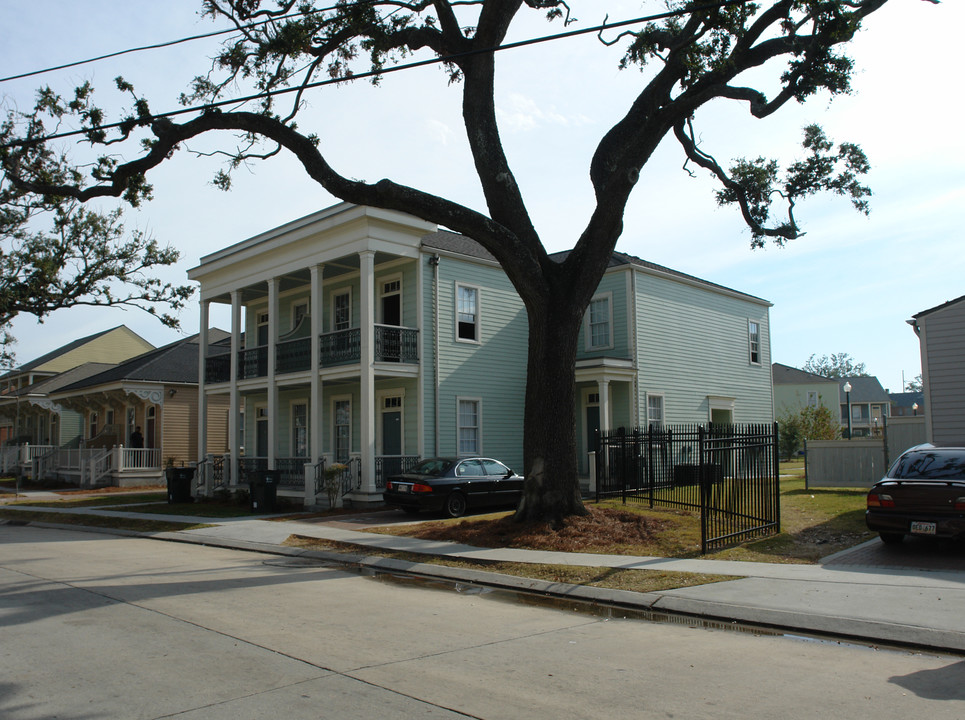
[841, 598]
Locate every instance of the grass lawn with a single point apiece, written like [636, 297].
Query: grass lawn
[814, 524]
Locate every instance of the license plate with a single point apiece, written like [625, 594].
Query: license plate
[403, 488]
[923, 528]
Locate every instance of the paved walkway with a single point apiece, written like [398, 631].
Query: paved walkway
[868, 593]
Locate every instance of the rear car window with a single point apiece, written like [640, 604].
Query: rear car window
[930, 465]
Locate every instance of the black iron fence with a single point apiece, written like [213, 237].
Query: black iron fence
[729, 473]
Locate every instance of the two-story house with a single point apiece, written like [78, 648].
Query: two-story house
[371, 338]
[29, 417]
[866, 402]
[796, 389]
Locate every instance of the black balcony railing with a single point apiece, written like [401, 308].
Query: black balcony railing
[392, 344]
[294, 355]
[253, 363]
[341, 347]
[217, 368]
[396, 344]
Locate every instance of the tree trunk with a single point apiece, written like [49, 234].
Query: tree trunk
[552, 489]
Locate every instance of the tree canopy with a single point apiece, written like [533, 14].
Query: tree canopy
[759, 55]
[835, 365]
[55, 253]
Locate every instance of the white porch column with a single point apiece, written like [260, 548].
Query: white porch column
[367, 366]
[234, 412]
[604, 390]
[273, 423]
[315, 400]
[202, 397]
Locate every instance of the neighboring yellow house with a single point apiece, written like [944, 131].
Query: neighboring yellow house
[29, 417]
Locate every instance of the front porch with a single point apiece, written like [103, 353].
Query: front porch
[116, 466]
[296, 478]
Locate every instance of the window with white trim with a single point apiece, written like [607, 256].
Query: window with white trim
[468, 424]
[599, 317]
[261, 328]
[467, 313]
[655, 410]
[754, 342]
[342, 310]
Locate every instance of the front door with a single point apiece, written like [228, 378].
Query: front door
[391, 438]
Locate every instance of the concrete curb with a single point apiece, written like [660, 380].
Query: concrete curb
[658, 604]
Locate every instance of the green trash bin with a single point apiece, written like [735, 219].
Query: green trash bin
[179, 484]
[263, 491]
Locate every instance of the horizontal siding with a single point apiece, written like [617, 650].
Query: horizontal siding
[693, 343]
[179, 438]
[944, 334]
[616, 285]
[493, 370]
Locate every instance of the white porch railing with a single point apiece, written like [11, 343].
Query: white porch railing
[101, 465]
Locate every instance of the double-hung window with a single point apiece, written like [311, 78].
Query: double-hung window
[754, 342]
[342, 310]
[467, 313]
[468, 427]
[655, 410]
[598, 323]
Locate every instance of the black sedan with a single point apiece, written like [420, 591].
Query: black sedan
[453, 485]
[922, 494]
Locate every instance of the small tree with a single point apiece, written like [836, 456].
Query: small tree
[811, 423]
[789, 434]
[819, 423]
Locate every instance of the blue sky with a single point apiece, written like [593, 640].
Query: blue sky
[849, 285]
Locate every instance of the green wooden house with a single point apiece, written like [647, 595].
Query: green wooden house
[370, 338]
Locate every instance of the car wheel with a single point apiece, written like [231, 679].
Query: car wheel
[891, 538]
[455, 504]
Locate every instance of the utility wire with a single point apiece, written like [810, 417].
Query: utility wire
[158, 46]
[384, 71]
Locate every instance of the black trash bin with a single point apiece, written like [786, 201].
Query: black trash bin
[179, 484]
[263, 489]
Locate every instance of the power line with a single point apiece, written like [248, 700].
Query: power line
[158, 46]
[384, 71]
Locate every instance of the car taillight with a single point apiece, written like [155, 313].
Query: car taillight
[960, 503]
[880, 500]
[388, 485]
[419, 487]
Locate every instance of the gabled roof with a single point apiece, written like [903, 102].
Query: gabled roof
[864, 388]
[787, 375]
[68, 377]
[176, 363]
[43, 359]
[929, 311]
[463, 245]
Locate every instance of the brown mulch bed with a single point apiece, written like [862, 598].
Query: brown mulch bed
[601, 530]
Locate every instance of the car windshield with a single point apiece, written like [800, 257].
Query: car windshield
[931, 465]
[435, 467]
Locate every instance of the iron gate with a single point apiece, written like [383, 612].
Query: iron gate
[729, 473]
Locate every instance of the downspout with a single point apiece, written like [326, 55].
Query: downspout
[434, 261]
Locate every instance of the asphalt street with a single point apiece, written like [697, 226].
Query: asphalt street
[103, 626]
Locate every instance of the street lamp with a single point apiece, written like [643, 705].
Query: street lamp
[914, 409]
[847, 393]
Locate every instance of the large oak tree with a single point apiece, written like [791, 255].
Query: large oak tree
[689, 56]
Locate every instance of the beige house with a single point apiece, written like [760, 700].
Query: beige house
[26, 414]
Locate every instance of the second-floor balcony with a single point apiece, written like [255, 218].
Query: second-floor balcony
[342, 347]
